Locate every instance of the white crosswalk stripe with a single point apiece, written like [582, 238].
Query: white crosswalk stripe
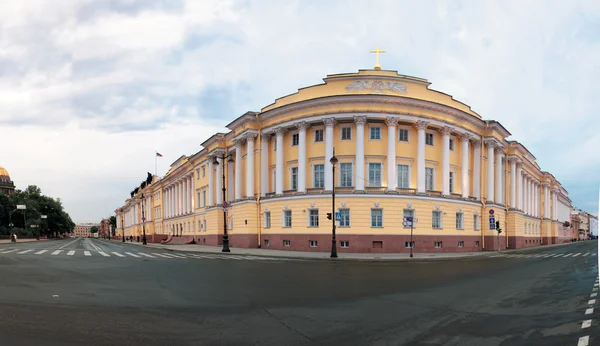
[577, 254]
[22, 252]
[40, 252]
[9, 251]
[132, 255]
[161, 255]
[145, 254]
[585, 254]
[117, 254]
[104, 254]
[87, 253]
[70, 253]
[57, 252]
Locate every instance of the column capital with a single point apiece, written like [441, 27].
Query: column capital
[279, 131]
[302, 125]
[266, 135]
[499, 149]
[360, 120]
[250, 135]
[329, 122]
[545, 184]
[476, 143]
[513, 159]
[239, 141]
[519, 164]
[421, 125]
[465, 137]
[445, 131]
[391, 121]
[490, 143]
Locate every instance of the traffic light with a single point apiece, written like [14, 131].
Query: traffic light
[498, 227]
[328, 216]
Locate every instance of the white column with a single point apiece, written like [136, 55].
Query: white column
[519, 186]
[210, 180]
[499, 175]
[477, 169]
[537, 199]
[192, 193]
[174, 199]
[279, 161]
[392, 178]
[546, 202]
[555, 205]
[250, 164]
[421, 126]
[171, 200]
[464, 169]
[219, 178]
[445, 131]
[490, 170]
[359, 179]
[329, 122]
[230, 180]
[264, 164]
[513, 182]
[302, 126]
[184, 187]
[530, 195]
[165, 202]
[238, 168]
[188, 201]
[179, 197]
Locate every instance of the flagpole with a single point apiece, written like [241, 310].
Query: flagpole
[155, 161]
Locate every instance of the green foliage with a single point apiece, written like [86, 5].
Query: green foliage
[57, 221]
[113, 221]
[94, 229]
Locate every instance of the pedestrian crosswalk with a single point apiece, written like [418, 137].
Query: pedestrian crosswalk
[138, 255]
[545, 255]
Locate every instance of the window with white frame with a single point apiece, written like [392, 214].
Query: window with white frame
[476, 222]
[267, 217]
[374, 174]
[319, 135]
[409, 244]
[451, 144]
[197, 174]
[198, 198]
[319, 175]
[267, 242]
[313, 218]
[408, 213]
[287, 218]
[403, 177]
[436, 219]
[205, 226]
[346, 133]
[376, 217]
[345, 217]
[313, 243]
[429, 176]
[461, 243]
[344, 244]
[375, 132]
[477, 243]
[460, 222]
[451, 182]
[346, 174]
[287, 242]
[294, 178]
[230, 223]
[204, 198]
[429, 138]
[295, 139]
[203, 171]
[199, 226]
[437, 244]
[403, 135]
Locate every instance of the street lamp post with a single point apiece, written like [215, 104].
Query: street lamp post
[143, 221]
[19, 206]
[225, 236]
[333, 161]
[122, 227]
[44, 217]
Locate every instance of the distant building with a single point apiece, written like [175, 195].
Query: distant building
[583, 224]
[83, 230]
[6, 185]
[104, 229]
[594, 226]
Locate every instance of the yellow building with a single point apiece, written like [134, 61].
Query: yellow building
[403, 150]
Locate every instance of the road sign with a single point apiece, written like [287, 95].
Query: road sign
[408, 219]
[338, 216]
[492, 222]
[21, 206]
[491, 211]
[225, 205]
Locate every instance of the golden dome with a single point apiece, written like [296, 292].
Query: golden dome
[3, 172]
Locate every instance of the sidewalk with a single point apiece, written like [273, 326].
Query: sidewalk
[341, 255]
[28, 240]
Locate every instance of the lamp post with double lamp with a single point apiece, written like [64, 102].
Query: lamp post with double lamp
[19, 207]
[44, 217]
[225, 236]
[143, 220]
[333, 161]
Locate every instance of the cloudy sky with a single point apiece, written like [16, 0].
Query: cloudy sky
[90, 89]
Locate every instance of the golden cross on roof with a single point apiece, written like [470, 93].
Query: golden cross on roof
[377, 51]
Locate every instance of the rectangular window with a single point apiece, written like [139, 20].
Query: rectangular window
[345, 174]
[197, 174]
[205, 225]
[461, 244]
[436, 219]
[438, 244]
[266, 242]
[408, 213]
[451, 182]
[313, 243]
[203, 171]
[476, 222]
[403, 176]
[345, 215]
[198, 199]
[344, 244]
[374, 174]
[294, 179]
[451, 144]
[319, 135]
[230, 223]
[375, 133]
[199, 225]
[408, 244]
[267, 219]
[403, 135]
[429, 138]
[295, 139]
[287, 242]
[376, 218]
[459, 221]
[287, 218]
[346, 133]
[429, 174]
[319, 176]
[204, 198]
[476, 243]
[313, 218]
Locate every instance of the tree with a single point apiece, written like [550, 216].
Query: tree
[94, 229]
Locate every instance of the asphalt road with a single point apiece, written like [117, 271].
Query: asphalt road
[146, 296]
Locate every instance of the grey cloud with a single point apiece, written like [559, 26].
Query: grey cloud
[95, 9]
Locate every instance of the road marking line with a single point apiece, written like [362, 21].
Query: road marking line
[132, 255]
[593, 295]
[589, 311]
[178, 255]
[594, 254]
[9, 251]
[117, 254]
[567, 255]
[69, 243]
[497, 256]
[22, 252]
[170, 255]
[87, 253]
[145, 254]
[40, 252]
[577, 254]
[547, 255]
[161, 255]
[585, 254]
[595, 289]
[203, 256]
[591, 301]
[583, 341]
[557, 255]
[586, 324]
[70, 253]
[104, 254]
[596, 284]
[56, 252]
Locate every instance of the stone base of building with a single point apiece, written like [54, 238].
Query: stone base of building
[525, 242]
[371, 243]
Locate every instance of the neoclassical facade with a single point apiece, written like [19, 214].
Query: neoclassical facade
[402, 149]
